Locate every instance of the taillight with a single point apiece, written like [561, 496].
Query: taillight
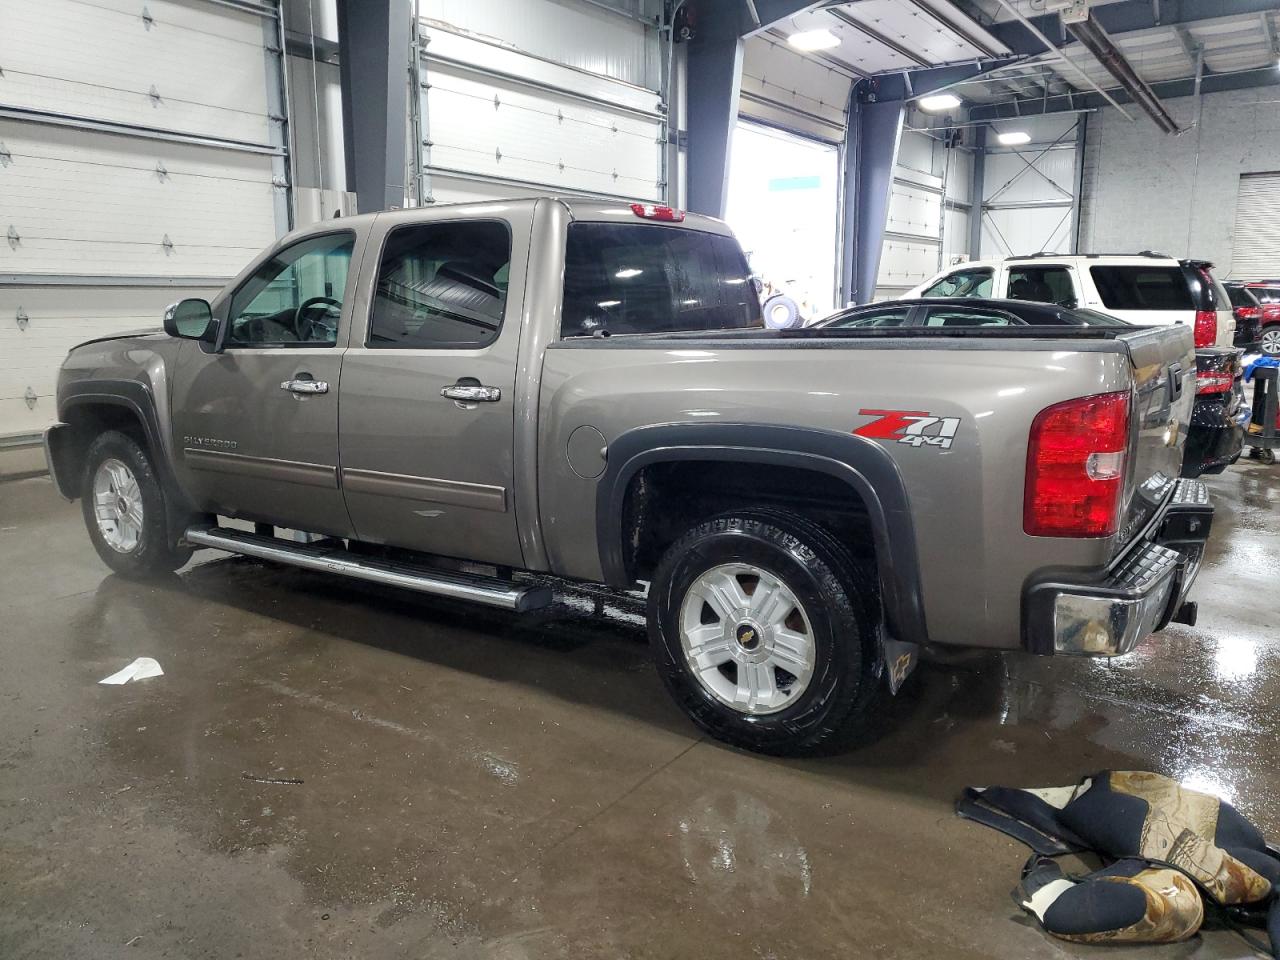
[1206, 328]
[1248, 313]
[656, 212]
[1214, 381]
[1075, 467]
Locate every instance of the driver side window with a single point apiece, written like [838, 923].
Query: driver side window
[295, 298]
[962, 283]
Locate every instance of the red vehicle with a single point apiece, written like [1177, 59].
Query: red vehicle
[1267, 293]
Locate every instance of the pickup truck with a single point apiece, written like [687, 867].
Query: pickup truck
[472, 400]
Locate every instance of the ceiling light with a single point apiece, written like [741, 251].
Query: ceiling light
[1014, 138]
[814, 40]
[939, 102]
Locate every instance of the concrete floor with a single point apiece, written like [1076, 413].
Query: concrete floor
[479, 785]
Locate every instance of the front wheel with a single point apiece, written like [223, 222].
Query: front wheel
[124, 508]
[765, 634]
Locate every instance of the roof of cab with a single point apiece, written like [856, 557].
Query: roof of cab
[589, 209]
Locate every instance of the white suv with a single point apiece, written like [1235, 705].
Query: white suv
[1149, 288]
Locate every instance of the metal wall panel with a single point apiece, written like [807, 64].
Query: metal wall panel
[782, 88]
[499, 123]
[191, 70]
[111, 208]
[97, 203]
[1257, 241]
[576, 34]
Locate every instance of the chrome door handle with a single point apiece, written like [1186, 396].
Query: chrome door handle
[305, 387]
[471, 393]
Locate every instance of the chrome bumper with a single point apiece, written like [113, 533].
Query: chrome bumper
[1108, 614]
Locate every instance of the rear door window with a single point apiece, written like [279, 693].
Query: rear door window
[1240, 297]
[1048, 284]
[441, 285]
[963, 283]
[1143, 288]
[644, 278]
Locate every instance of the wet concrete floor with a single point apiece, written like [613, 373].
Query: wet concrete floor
[332, 770]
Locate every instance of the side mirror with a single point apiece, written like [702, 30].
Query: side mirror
[758, 284]
[191, 320]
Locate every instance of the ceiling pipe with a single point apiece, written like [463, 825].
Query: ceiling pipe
[1090, 33]
[1054, 51]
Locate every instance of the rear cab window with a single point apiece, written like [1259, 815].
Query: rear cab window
[645, 278]
[1140, 287]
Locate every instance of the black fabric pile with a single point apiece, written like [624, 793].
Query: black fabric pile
[1168, 852]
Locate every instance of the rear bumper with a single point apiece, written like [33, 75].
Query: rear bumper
[1107, 613]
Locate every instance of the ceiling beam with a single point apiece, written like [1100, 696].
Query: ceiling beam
[760, 15]
[1121, 18]
[1167, 90]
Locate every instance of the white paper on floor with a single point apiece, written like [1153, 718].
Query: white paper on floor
[140, 669]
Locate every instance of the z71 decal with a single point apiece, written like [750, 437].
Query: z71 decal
[909, 426]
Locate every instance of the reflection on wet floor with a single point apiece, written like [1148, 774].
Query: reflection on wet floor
[329, 769]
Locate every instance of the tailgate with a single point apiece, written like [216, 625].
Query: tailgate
[1164, 372]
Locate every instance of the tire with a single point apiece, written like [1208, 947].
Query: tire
[779, 708]
[132, 535]
[781, 313]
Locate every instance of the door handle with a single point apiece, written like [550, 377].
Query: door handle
[305, 386]
[471, 391]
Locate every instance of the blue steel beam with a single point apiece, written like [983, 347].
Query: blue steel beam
[374, 41]
[713, 72]
[871, 151]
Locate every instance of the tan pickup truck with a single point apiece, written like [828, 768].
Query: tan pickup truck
[462, 400]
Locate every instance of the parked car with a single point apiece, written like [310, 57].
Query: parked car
[1216, 432]
[1147, 288]
[461, 398]
[1215, 437]
[1268, 296]
[1248, 311]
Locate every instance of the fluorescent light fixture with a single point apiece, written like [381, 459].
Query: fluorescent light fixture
[1014, 138]
[814, 40]
[939, 102]
[627, 273]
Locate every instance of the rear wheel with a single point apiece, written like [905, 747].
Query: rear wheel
[765, 634]
[1269, 343]
[124, 510]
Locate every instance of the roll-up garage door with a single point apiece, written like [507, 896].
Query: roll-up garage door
[1256, 253]
[141, 160]
[496, 122]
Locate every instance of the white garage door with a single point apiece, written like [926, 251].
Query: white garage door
[497, 122]
[140, 161]
[1256, 253]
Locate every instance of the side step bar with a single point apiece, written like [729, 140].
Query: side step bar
[440, 583]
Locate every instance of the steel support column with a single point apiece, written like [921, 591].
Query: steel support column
[713, 81]
[375, 40]
[977, 192]
[871, 152]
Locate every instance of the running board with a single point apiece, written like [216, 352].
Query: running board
[327, 559]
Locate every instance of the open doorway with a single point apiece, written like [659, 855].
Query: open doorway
[783, 204]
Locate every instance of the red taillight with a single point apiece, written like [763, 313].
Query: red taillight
[1248, 313]
[653, 212]
[1214, 381]
[1206, 328]
[1075, 467]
